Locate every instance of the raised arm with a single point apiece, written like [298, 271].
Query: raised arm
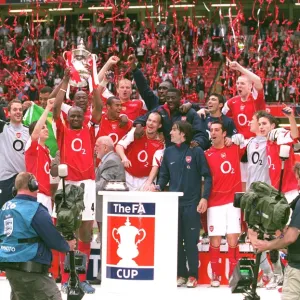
[98, 104]
[42, 120]
[252, 77]
[113, 60]
[59, 99]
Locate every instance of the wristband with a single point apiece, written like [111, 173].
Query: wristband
[62, 90]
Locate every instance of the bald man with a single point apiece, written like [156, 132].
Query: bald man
[249, 100]
[110, 168]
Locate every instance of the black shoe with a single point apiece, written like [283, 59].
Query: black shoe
[95, 281]
[242, 238]
[58, 279]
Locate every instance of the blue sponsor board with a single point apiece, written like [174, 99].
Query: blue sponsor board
[131, 208]
[130, 273]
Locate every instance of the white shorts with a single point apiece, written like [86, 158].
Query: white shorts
[135, 183]
[89, 199]
[244, 171]
[46, 201]
[291, 195]
[223, 219]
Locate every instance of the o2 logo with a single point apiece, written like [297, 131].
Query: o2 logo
[226, 168]
[76, 146]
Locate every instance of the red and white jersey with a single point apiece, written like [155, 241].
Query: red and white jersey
[289, 182]
[132, 108]
[37, 161]
[77, 149]
[112, 129]
[65, 110]
[224, 166]
[242, 111]
[143, 153]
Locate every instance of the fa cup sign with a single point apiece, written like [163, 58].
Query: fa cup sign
[130, 241]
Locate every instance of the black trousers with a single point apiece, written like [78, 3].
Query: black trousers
[6, 188]
[188, 238]
[32, 286]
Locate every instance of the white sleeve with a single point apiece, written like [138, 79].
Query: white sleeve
[144, 107]
[65, 108]
[106, 94]
[157, 158]
[127, 139]
[284, 138]
[28, 144]
[225, 109]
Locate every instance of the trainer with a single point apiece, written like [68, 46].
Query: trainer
[26, 237]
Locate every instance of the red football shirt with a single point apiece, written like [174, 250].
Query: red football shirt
[77, 150]
[289, 181]
[132, 108]
[37, 161]
[224, 166]
[242, 111]
[111, 128]
[143, 153]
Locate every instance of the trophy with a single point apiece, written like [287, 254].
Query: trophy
[83, 65]
[127, 249]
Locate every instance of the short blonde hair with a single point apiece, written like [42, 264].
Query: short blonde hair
[22, 180]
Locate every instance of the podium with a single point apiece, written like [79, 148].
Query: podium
[139, 242]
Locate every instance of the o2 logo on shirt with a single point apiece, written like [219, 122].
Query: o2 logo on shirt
[226, 167]
[242, 120]
[18, 145]
[143, 157]
[76, 146]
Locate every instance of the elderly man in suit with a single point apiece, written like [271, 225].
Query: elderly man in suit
[110, 168]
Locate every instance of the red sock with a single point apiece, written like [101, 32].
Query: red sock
[64, 275]
[86, 249]
[214, 259]
[203, 218]
[233, 259]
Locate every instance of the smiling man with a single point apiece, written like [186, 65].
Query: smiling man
[13, 138]
[142, 157]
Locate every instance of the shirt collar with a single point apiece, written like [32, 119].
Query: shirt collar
[25, 197]
[105, 156]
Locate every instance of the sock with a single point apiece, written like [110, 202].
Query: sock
[64, 275]
[232, 255]
[203, 218]
[55, 264]
[214, 253]
[86, 249]
[264, 264]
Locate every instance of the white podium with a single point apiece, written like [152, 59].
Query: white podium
[139, 242]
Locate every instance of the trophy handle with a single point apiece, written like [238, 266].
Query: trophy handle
[64, 57]
[95, 56]
[144, 235]
[113, 235]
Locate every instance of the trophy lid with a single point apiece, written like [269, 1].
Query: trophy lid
[80, 50]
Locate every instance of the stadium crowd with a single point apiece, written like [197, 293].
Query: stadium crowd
[160, 137]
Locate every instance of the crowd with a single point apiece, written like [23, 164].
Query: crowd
[153, 139]
[31, 56]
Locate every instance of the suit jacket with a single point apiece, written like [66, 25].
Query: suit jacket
[110, 169]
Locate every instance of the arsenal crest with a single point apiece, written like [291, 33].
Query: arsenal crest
[114, 126]
[242, 107]
[123, 108]
[211, 228]
[183, 118]
[223, 155]
[18, 135]
[256, 146]
[188, 159]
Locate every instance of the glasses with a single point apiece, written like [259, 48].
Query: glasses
[162, 88]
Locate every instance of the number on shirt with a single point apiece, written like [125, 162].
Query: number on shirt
[18, 145]
[143, 157]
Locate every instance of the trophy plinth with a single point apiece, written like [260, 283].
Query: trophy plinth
[116, 186]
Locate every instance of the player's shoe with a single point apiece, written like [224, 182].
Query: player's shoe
[181, 281]
[192, 282]
[215, 280]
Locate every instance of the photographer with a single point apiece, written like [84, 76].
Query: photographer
[291, 239]
[26, 237]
